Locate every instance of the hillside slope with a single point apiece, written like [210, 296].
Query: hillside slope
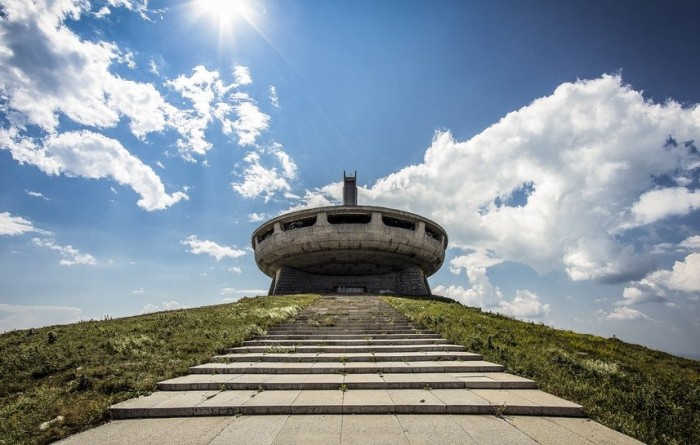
[647, 394]
[77, 371]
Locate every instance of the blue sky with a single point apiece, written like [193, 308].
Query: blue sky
[141, 143]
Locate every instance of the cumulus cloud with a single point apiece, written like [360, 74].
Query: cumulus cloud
[691, 243]
[327, 195]
[91, 155]
[625, 313]
[16, 225]
[213, 99]
[259, 180]
[685, 275]
[558, 184]
[526, 304]
[481, 258]
[14, 316]
[647, 290]
[48, 73]
[46, 69]
[683, 278]
[257, 217]
[211, 248]
[170, 305]
[660, 204]
[604, 260]
[251, 122]
[70, 255]
[241, 74]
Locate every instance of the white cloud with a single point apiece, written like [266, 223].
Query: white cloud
[274, 98]
[170, 305]
[241, 74]
[526, 304]
[212, 99]
[602, 259]
[660, 204]
[211, 248]
[327, 195]
[289, 167]
[153, 67]
[138, 291]
[625, 313]
[645, 291]
[257, 217]
[103, 12]
[48, 72]
[692, 243]
[46, 69]
[70, 255]
[259, 180]
[482, 294]
[554, 184]
[92, 155]
[250, 124]
[685, 275]
[16, 225]
[36, 195]
[235, 270]
[139, 6]
[23, 317]
[479, 258]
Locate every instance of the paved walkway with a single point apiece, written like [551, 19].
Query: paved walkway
[364, 429]
[349, 370]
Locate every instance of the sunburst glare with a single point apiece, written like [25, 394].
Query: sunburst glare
[225, 14]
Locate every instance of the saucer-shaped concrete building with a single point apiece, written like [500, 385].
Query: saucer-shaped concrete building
[349, 249]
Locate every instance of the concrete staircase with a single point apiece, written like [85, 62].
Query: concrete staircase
[347, 355]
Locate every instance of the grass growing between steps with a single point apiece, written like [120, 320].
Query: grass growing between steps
[77, 371]
[647, 394]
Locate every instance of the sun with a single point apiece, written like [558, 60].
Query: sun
[225, 13]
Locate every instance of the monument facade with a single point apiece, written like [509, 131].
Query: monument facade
[349, 249]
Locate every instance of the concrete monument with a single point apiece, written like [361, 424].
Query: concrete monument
[349, 249]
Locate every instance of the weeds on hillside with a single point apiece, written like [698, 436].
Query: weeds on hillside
[647, 394]
[60, 380]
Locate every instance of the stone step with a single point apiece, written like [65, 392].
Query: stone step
[369, 401]
[368, 348]
[349, 357]
[375, 327]
[269, 382]
[453, 366]
[327, 331]
[386, 337]
[264, 341]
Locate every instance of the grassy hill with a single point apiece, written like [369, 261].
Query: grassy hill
[77, 371]
[647, 394]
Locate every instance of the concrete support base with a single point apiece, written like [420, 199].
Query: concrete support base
[411, 281]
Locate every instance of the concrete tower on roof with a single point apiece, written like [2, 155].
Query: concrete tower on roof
[349, 249]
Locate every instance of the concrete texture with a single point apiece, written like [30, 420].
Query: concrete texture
[349, 248]
[352, 429]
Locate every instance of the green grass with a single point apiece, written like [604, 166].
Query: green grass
[647, 394]
[77, 371]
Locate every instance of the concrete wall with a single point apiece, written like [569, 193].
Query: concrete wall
[410, 281]
[349, 249]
